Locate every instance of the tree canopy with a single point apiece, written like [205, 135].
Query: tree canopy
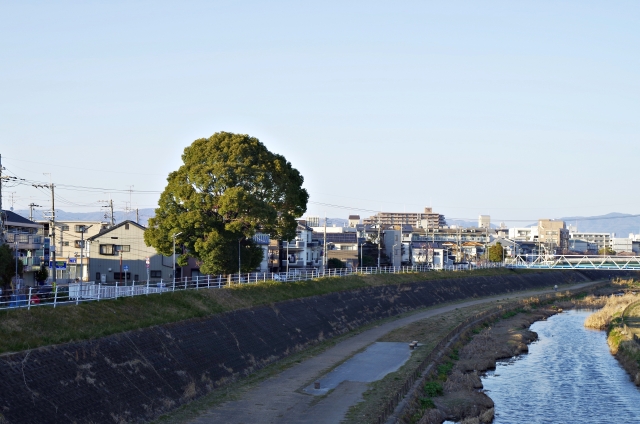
[496, 252]
[229, 187]
[8, 265]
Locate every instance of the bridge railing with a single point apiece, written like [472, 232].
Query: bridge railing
[75, 293]
[607, 262]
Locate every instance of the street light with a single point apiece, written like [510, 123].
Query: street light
[15, 252]
[83, 229]
[174, 256]
[239, 261]
[362, 254]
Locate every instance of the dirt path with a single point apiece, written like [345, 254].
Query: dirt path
[280, 399]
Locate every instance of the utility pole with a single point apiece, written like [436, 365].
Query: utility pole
[324, 257]
[110, 206]
[82, 230]
[52, 229]
[379, 241]
[1, 211]
[31, 206]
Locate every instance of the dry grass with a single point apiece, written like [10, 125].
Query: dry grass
[601, 319]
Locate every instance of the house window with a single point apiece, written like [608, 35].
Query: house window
[126, 226]
[65, 243]
[107, 249]
[155, 274]
[122, 248]
[77, 244]
[97, 276]
[78, 228]
[64, 228]
[121, 276]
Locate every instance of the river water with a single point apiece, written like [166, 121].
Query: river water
[568, 376]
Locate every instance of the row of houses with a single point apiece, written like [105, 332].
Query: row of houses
[99, 251]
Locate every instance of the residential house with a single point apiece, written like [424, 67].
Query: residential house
[119, 253]
[302, 253]
[69, 252]
[25, 237]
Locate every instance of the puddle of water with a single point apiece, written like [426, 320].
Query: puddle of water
[378, 360]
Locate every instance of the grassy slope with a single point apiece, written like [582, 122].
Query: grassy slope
[42, 326]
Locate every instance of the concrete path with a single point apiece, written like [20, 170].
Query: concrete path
[280, 399]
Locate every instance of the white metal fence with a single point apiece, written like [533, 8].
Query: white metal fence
[74, 293]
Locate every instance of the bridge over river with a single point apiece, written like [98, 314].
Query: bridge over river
[604, 262]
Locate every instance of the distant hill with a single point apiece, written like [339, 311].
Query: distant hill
[144, 215]
[62, 215]
[619, 223]
[465, 224]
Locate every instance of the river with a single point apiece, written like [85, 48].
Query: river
[569, 376]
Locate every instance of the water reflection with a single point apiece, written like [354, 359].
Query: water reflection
[569, 376]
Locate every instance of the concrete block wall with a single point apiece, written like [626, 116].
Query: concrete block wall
[138, 375]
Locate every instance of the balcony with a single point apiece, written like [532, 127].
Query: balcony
[298, 263]
[296, 244]
[25, 241]
[30, 261]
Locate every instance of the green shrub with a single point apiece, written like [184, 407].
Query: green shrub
[427, 403]
[433, 388]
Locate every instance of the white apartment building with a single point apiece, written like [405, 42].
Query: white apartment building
[600, 239]
[524, 233]
[620, 245]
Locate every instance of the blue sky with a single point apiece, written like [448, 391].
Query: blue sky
[520, 110]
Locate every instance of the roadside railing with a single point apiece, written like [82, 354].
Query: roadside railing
[53, 294]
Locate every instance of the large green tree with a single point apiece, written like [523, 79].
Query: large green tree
[229, 187]
[8, 265]
[496, 252]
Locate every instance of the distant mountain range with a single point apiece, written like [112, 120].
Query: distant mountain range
[102, 216]
[619, 223]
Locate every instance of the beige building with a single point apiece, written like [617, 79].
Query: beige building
[484, 221]
[354, 220]
[426, 219]
[69, 236]
[554, 235]
[115, 249]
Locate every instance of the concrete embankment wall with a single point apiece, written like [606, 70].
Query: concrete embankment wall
[138, 375]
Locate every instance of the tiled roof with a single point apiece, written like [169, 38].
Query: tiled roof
[107, 230]
[14, 218]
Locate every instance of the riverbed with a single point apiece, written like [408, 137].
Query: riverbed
[568, 376]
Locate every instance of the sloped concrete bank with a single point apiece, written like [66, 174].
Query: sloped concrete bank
[138, 375]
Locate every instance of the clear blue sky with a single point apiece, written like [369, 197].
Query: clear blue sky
[519, 110]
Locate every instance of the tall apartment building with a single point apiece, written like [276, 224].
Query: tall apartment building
[602, 240]
[426, 219]
[484, 221]
[553, 233]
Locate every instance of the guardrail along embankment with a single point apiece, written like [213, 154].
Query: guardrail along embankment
[138, 375]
